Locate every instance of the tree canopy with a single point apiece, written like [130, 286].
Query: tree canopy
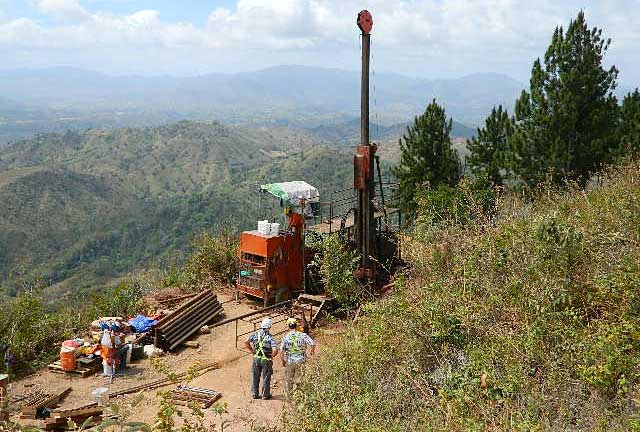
[427, 157]
[489, 148]
[566, 122]
[630, 124]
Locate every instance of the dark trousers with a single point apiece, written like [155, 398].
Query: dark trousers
[264, 368]
[121, 353]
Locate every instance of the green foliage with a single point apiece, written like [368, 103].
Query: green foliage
[31, 331]
[122, 300]
[526, 323]
[213, 260]
[567, 121]
[469, 200]
[630, 124]
[337, 267]
[427, 157]
[34, 331]
[489, 149]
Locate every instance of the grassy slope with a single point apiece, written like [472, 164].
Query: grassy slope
[531, 324]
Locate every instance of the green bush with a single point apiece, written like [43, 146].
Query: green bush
[337, 266]
[213, 259]
[468, 201]
[34, 331]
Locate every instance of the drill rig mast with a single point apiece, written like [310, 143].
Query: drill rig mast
[363, 164]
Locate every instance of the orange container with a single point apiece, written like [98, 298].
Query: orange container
[68, 361]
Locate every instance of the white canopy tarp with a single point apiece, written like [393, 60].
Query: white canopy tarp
[291, 192]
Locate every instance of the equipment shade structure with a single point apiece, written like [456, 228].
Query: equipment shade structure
[291, 192]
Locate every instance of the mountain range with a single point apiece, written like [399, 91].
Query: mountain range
[67, 98]
[101, 175]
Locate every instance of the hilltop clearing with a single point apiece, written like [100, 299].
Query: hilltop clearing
[529, 323]
[232, 378]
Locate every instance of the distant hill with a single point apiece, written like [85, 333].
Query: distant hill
[80, 208]
[183, 157]
[348, 132]
[291, 95]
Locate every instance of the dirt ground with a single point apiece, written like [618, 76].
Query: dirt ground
[232, 378]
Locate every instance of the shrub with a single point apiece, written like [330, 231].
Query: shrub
[213, 259]
[469, 201]
[337, 266]
[32, 333]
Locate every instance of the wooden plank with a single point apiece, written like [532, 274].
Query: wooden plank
[162, 382]
[77, 412]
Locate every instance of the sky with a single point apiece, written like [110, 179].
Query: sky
[422, 38]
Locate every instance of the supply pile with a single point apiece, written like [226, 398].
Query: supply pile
[176, 328]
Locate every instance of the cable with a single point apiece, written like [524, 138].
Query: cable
[376, 134]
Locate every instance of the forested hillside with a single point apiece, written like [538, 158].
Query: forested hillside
[84, 207]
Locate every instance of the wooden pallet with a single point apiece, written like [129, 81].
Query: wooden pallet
[82, 370]
[185, 395]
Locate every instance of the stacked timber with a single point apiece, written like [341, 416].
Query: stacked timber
[177, 327]
[59, 419]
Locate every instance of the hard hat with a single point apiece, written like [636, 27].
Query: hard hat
[292, 321]
[266, 323]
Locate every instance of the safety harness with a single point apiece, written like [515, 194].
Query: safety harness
[260, 354]
[295, 348]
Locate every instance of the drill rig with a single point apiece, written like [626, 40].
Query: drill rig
[273, 266]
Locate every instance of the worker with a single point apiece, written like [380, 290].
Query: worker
[294, 353]
[121, 347]
[109, 349]
[264, 348]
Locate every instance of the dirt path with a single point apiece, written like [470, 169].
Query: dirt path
[232, 379]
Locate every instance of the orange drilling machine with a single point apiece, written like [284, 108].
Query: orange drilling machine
[271, 259]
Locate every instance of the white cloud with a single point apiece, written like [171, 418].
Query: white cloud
[433, 37]
[65, 10]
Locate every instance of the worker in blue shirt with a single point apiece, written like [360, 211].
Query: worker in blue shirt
[264, 348]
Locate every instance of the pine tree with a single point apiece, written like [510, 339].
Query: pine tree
[630, 124]
[427, 157]
[489, 149]
[566, 123]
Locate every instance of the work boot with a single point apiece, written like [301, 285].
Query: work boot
[267, 397]
[256, 396]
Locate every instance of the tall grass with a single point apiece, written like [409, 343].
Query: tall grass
[525, 321]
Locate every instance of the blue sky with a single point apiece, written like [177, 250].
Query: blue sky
[427, 38]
